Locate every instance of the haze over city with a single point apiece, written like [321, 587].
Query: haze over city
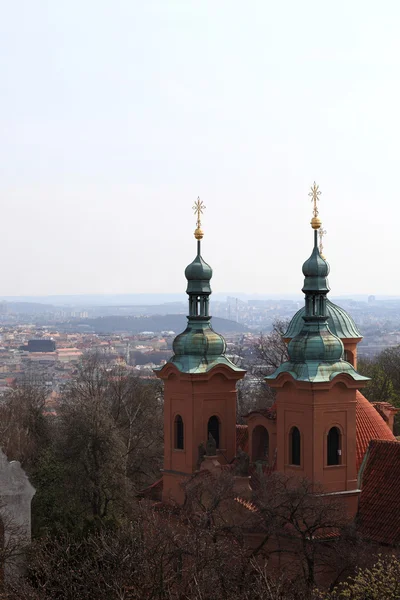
[116, 116]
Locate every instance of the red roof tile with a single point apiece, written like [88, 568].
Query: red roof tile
[369, 426]
[379, 507]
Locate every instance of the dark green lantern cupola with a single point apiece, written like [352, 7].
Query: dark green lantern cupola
[198, 275]
[315, 341]
[315, 353]
[199, 348]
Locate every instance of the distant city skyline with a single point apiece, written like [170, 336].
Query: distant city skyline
[116, 116]
[158, 299]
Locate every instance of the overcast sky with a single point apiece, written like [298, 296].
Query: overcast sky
[116, 114]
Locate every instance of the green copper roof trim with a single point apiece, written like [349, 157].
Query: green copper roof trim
[339, 322]
[316, 371]
[199, 348]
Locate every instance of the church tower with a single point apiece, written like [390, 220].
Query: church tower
[316, 392]
[199, 385]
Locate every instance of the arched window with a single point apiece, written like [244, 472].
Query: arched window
[260, 443]
[334, 446]
[179, 433]
[294, 446]
[213, 428]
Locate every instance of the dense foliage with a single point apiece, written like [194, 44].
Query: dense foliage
[89, 456]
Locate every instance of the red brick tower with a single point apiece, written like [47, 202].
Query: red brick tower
[316, 394]
[199, 386]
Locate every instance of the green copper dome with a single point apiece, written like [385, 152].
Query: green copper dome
[199, 339]
[198, 274]
[339, 322]
[315, 342]
[315, 271]
[315, 352]
[199, 348]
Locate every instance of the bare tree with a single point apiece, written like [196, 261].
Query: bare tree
[24, 429]
[270, 349]
[204, 551]
[265, 355]
[109, 435]
[137, 409]
[308, 530]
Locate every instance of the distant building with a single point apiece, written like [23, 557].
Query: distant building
[66, 355]
[371, 299]
[42, 345]
[43, 357]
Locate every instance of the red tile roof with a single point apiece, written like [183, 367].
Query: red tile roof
[369, 426]
[379, 507]
[383, 408]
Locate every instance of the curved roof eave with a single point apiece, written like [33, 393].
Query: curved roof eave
[316, 372]
[339, 321]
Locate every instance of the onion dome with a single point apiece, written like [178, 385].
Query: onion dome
[199, 340]
[198, 275]
[339, 322]
[315, 271]
[315, 352]
[315, 343]
[199, 348]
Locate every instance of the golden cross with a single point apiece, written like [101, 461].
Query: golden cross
[198, 208]
[314, 194]
[321, 233]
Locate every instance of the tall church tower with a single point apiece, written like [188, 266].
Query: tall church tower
[316, 393]
[199, 385]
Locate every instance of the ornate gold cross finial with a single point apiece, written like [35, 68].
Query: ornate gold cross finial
[321, 234]
[314, 195]
[198, 208]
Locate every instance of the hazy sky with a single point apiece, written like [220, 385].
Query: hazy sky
[116, 114]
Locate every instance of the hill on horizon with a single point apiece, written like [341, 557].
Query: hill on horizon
[156, 323]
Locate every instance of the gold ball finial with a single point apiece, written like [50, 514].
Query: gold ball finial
[198, 233]
[316, 222]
